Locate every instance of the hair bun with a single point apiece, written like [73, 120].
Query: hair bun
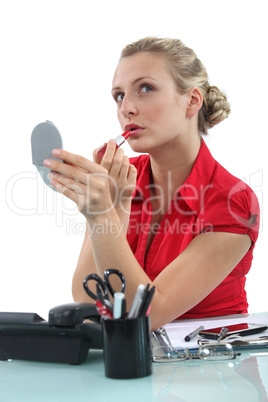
[216, 105]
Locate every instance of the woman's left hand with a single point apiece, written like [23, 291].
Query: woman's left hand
[81, 180]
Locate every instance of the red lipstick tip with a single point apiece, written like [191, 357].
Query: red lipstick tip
[126, 134]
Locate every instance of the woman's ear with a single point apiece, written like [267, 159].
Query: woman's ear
[195, 102]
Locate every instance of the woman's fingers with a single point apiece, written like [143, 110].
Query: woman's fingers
[67, 192]
[94, 188]
[108, 158]
[131, 180]
[82, 181]
[67, 170]
[71, 184]
[114, 160]
[117, 163]
[107, 152]
[75, 167]
[74, 160]
[132, 174]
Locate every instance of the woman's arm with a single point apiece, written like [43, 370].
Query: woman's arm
[122, 180]
[199, 269]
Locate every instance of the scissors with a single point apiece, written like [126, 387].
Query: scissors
[105, 284]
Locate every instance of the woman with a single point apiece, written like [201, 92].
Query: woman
[174, 217]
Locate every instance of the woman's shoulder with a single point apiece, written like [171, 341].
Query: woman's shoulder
[225, 181]
[230, 197]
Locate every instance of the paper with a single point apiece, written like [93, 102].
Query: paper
[179, 329]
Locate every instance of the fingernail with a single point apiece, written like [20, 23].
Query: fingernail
[56, 152]
[53, 182]
[47, 162]
[51, 175]
[112, 141]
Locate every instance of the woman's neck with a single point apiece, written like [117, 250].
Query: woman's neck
[171, 167]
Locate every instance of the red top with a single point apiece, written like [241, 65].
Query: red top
[211, 199]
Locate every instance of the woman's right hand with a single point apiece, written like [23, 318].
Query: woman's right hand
[122, 177]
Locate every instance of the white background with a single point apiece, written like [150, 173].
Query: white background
[57, 62]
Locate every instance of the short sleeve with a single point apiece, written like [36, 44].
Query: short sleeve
[234, 210]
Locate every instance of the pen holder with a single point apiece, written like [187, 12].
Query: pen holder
[127, 347]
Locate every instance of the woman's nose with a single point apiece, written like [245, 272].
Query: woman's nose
[128, 107]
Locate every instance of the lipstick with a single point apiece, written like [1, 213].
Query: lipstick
[120, 139]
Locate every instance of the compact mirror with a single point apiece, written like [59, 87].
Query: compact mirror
[45, 137]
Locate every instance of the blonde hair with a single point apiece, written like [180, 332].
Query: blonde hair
[188, 72]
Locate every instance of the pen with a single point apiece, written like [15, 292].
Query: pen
[136, 302]
[99, 294]
[102, 300]
[103, 310]
[193, 334]
[118, 304]
[123, 312]
[145, 308]
[143, 299]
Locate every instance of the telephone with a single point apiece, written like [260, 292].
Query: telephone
[64, 338]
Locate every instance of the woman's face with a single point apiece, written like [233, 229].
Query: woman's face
[148, 101]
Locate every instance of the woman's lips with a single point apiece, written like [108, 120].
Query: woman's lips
[134, 129]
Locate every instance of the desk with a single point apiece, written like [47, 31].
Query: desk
[244, 379]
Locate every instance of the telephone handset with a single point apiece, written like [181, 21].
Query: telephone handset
[64, 338]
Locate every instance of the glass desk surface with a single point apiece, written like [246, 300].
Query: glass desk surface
[243, 379]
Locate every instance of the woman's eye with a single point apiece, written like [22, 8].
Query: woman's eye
[146, 88]
[118, 97]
